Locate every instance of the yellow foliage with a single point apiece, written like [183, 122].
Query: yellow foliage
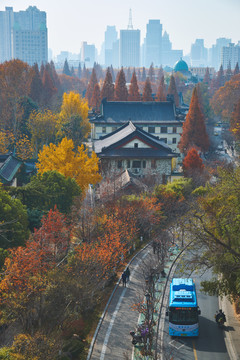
[43, 127]
[62, 158]
[24, 149]
[6, 140]
[74, 104]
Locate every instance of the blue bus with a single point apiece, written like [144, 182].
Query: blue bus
[183, 309]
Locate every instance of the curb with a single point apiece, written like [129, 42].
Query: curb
[227, 334]
[90, 351]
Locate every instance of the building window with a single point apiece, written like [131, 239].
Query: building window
[151, 130]
[174, 130]
[153, 164]
[144, 164]
[114, 128]
[104, 130]
[136, 164]
[128, 164]
[119, 164]
[174, 140]
[164, 129]
[164, 140]
[136, 145]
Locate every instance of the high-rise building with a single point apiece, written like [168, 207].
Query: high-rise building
[198, 53]
[130, 48]
[169, 56]
[88, 54]
[23, 35]
[153, 49]
[215, 52]
[230, 55]
[111, 36]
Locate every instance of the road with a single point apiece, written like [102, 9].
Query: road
[114, 342]
[210, 344]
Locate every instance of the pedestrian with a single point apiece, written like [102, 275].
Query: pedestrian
[124, 278]
[127, 272]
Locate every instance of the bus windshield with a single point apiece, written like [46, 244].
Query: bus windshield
[183, 316]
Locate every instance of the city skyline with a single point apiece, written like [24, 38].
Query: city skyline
[69, 24]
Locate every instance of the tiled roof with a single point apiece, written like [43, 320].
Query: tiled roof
[9, 168]
[125, 133]
[112, 144]
[137, 112]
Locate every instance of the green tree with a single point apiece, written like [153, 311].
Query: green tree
[66, 69]
[14, 224]
[172, 90]
[36, 86]
[214, 225]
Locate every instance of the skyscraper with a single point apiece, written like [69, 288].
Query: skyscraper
[130, 46]
[215, 52]
[24, 35]
[230, 55]
[110, 38]
[88, 54]
[198, 53]
[153, 48]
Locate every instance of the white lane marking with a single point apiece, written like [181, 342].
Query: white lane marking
[104, 348]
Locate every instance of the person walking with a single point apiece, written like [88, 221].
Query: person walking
[124, 278]
[127, 272]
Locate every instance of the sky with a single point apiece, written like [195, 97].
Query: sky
[70, 22]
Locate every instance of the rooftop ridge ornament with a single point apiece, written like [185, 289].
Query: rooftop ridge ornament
[130, 25]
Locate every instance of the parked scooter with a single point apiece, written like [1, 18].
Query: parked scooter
[139, 335]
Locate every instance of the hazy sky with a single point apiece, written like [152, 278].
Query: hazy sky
[72, 21]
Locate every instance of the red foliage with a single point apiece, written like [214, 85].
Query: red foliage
[192, 162]
[147, 91]
[194, 130]
[108, 87]
[121, 92]
[96, 101]
[134, 94]
[172, 90]
[93, 81]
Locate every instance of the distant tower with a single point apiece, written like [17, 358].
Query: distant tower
[130, 45]
[153, 43]
[130, 25]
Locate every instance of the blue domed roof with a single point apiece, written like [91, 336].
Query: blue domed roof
[181, 66]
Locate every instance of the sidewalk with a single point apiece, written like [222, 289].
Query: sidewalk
[232, 329]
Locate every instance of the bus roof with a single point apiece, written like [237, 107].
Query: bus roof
[182, 293]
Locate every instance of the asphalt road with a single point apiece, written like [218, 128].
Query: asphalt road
[113, 341]
[210, 344]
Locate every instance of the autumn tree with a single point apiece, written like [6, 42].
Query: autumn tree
[128, 75]
[66, 69]
[48, 88]
[161, 92]
[23, 148]
[74, 116]
[36, 86]
[151, 73]
[133, 94]
[79, 72]
[172, 90]
[194, 130]
[77, 165]
[192, 163]
[203, 99]
[236, 70]
[43, 127]
[92, 82]
[96, 101]
[14, 83]
[228, 73]
[226, 97]
[160, 73]
[121, 92]
[147, 91]
[235, 121]
[207, 79]
[107, 90]
[143, 74]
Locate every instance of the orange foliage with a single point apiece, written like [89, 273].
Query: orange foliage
[192, 162]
